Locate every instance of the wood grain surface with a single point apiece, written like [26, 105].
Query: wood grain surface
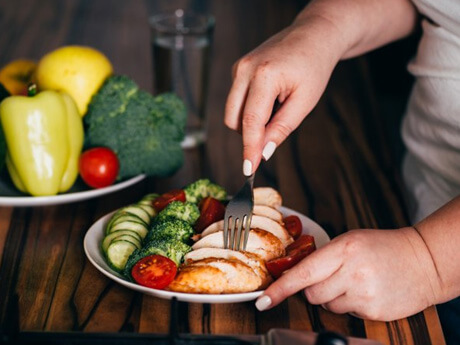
[337, 168]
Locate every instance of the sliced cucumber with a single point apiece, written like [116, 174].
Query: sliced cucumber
[130, 238]
[121, 218]
[149, 197]
[116, 235]
[125, 215]
[137, 211]
[149, 209]
[118, 253]
[139, 228]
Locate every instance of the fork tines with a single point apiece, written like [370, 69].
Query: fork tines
[238, 215]
[235, 225]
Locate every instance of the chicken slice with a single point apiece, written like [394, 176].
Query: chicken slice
[214, 227]
[203, 279]
[266, 245]
[232, 276]
[250, 259]
[257, 222]
[269, 212]
[267, 196]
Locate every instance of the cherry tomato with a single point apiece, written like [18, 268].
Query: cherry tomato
[304, 244]
[293, 225]
[154, 271]
[276, 267]
[99, 167]
[164, 199]
[211, 211]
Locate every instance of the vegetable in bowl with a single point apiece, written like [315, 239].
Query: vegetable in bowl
[144, 131]
[203, 188]
[150, 236]
[186, 211]
[170, 228]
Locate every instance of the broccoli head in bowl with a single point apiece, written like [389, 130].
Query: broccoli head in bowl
[144, 131]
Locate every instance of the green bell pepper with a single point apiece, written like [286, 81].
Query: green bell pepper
[44, 138]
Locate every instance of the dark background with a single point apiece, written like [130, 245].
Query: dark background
[43, 25]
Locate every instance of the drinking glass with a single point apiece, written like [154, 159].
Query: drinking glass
[181, 46]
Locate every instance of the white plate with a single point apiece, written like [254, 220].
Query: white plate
[10, 196]
[95, 234]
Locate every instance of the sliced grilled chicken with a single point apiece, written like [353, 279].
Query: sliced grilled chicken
[267, 196]
[257, 222]
[269, 212]
[250, 259]
[266, 245]
[200, 277]
[203, 279]
[214, 227]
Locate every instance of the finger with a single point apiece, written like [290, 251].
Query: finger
[341, 305]
[235, 103]
[315, 268]
[328, 289]
[286, 119]
[257, 110]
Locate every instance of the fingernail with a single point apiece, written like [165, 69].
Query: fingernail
[268, 150]
[263, 303]
[247, 167]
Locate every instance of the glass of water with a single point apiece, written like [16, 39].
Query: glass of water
[181, 47]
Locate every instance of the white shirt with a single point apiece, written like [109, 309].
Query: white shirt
[431, 126]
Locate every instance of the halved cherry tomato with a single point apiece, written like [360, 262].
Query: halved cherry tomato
[304, 244]
[164, 199]
[211, 210]
[154, 271]
[276, 267]
[293, 225]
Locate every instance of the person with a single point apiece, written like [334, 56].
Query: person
[374, 274]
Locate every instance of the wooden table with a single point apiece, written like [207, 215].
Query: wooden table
[337, 168]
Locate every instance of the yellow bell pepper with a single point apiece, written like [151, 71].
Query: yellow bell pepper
[44, 137]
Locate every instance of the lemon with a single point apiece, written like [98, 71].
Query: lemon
[77, 70]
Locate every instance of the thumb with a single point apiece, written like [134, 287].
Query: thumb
[315, 268]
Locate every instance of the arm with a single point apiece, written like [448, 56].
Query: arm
[295, 65]
[441, 235]
[380, 274]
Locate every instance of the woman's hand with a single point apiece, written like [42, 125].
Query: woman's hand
[374, 274]
[292, 67]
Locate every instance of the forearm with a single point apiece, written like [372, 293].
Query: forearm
[441, 234]
[359, 26]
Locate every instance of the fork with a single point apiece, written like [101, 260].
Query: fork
[237, 213]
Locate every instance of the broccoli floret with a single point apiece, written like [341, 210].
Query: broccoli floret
[183, 210]
[170, 228]
[144, 131]
[172, 249]
[203, 188]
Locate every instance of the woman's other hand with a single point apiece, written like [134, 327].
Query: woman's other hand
[374, 274]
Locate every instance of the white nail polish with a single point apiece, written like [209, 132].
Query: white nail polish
[268, 150]
[263, 303]
[247, 167]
